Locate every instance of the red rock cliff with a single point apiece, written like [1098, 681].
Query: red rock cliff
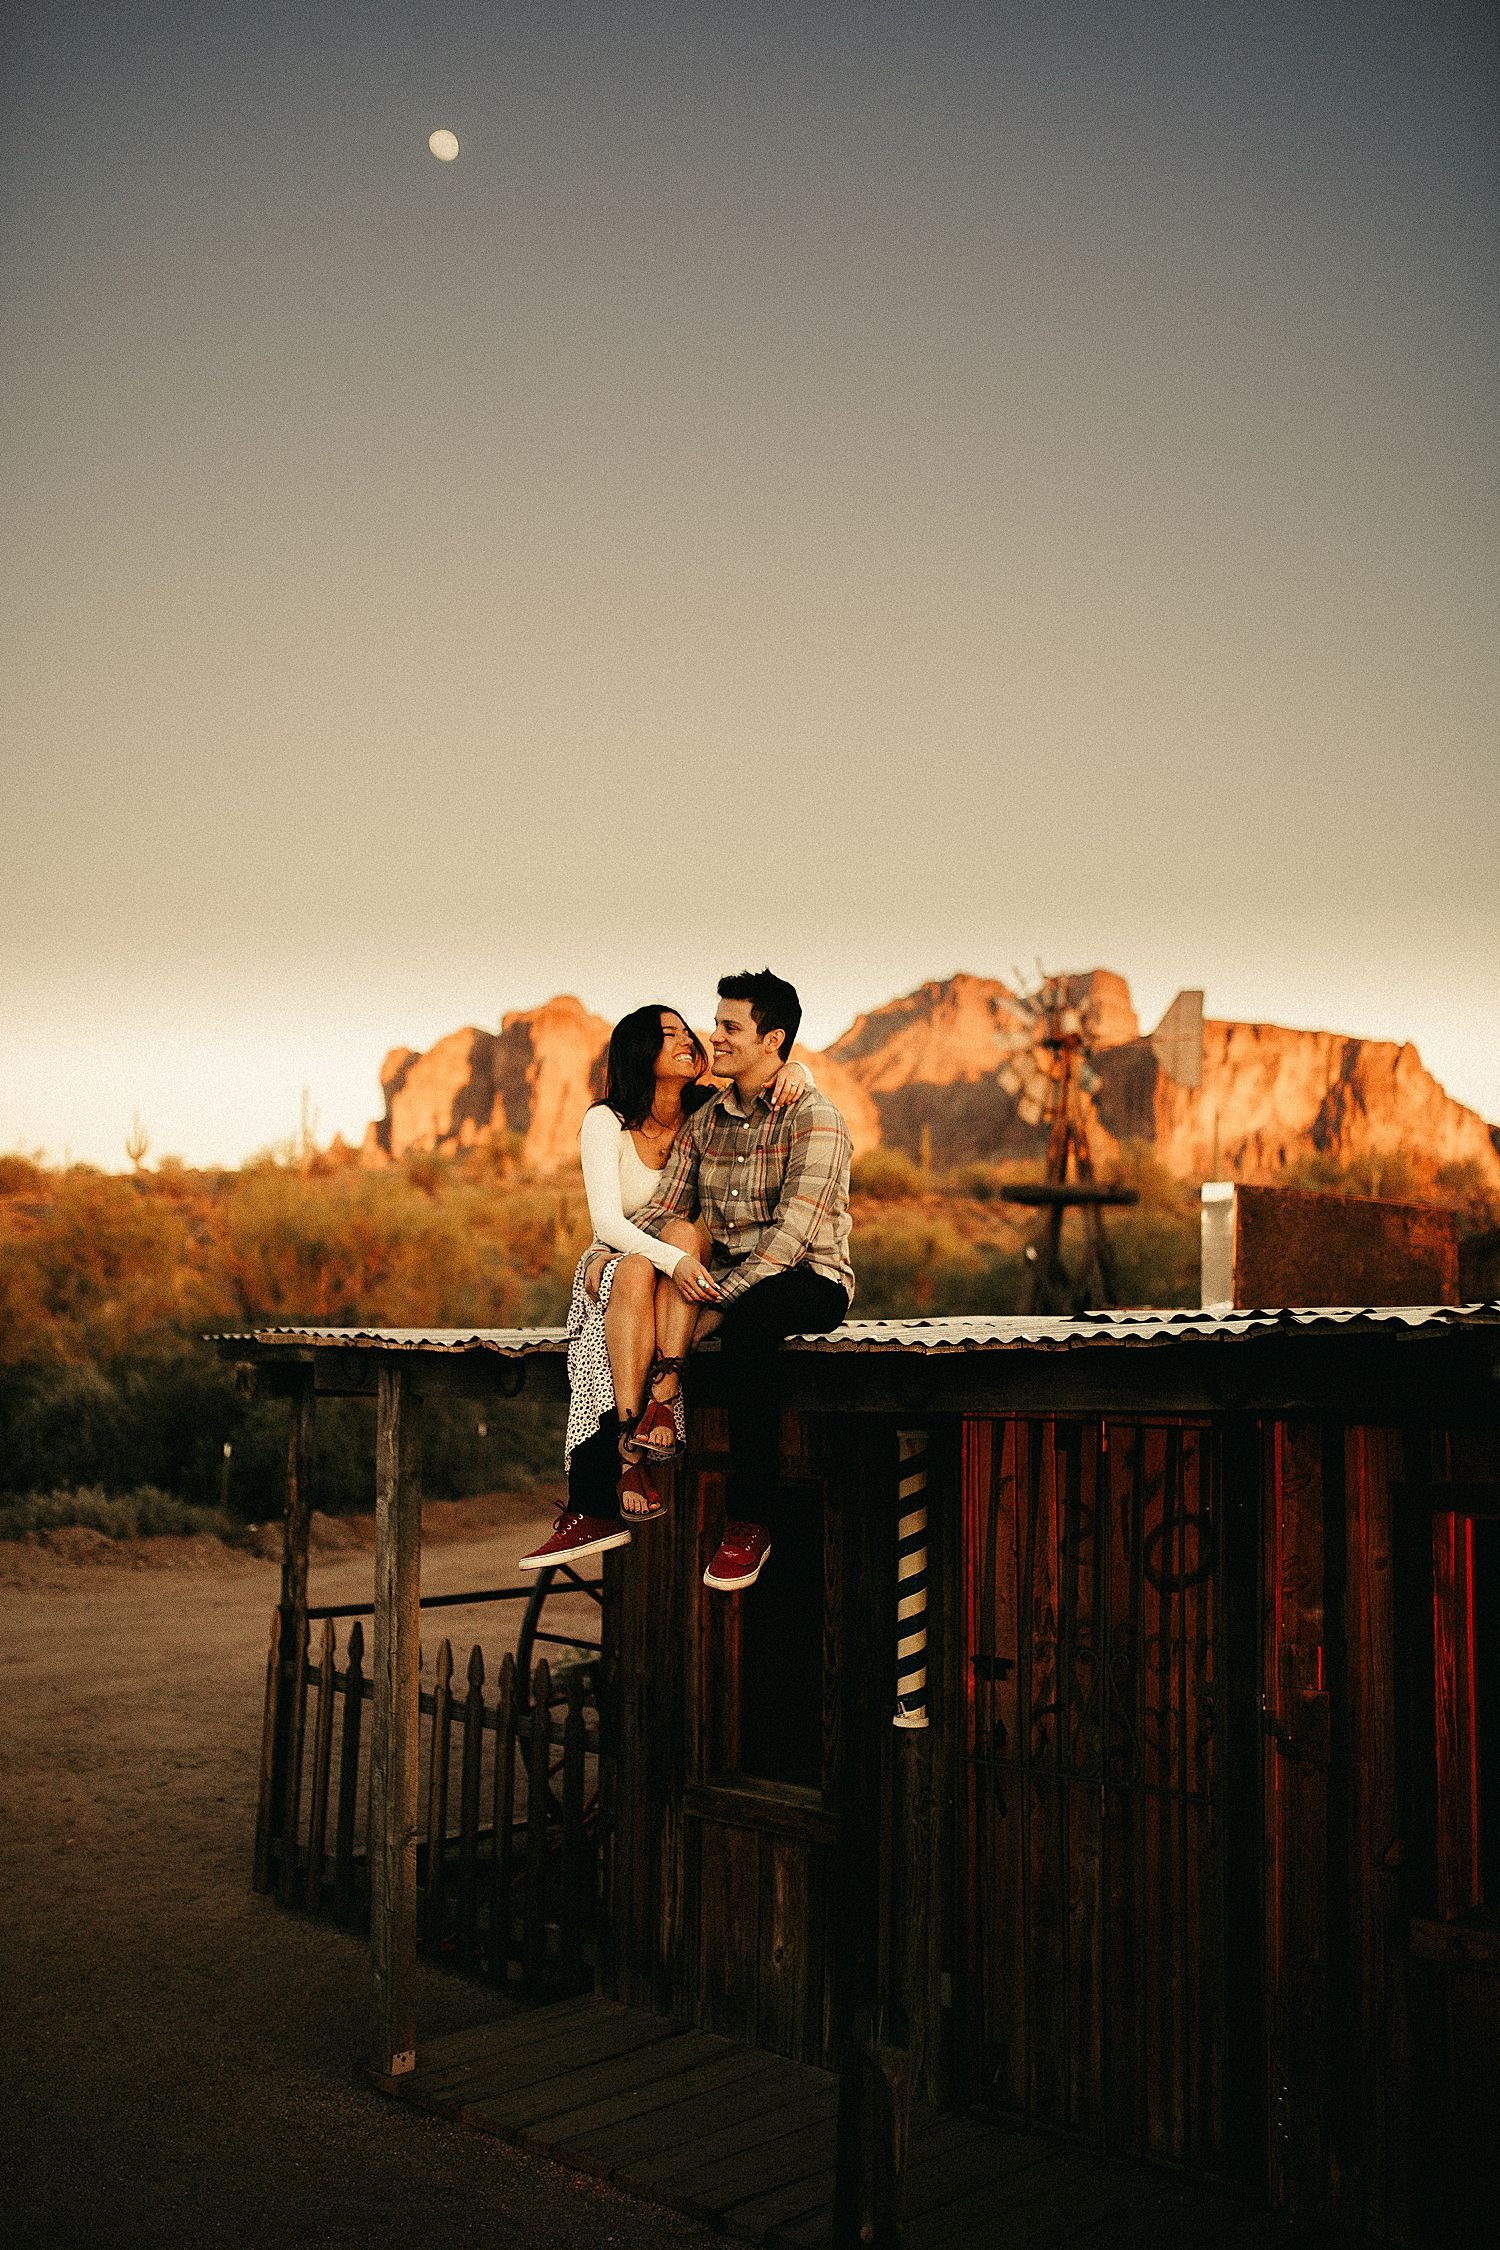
[924, 1068]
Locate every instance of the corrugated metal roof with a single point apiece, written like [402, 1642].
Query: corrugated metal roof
[1010, 1332]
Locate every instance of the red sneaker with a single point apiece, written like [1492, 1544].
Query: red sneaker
[572, 1536]
[740, 1559]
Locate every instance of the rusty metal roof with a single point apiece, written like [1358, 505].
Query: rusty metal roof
[965, 1333]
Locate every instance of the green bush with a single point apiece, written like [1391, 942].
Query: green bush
[981, 1183]
[888, 1175]
[142, 1514]
[912, 1266]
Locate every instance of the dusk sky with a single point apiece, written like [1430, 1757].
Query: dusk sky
[882, 489]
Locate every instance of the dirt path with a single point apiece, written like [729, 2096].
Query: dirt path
[183, 2056]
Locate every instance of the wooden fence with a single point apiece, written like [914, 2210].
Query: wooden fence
[507, 1859]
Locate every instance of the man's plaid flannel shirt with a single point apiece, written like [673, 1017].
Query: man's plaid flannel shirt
[771, 1186]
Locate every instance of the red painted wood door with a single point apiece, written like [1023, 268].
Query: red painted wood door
[1102, 1964]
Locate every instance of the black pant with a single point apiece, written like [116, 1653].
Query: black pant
[793, 1303]
[594, 1473]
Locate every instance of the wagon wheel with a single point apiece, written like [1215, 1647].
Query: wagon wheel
[560, 1578]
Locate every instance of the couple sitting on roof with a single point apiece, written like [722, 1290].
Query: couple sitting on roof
[716, 1210]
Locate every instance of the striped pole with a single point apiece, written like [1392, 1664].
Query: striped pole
[911, 1581]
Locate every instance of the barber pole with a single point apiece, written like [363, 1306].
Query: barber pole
[911, 1581]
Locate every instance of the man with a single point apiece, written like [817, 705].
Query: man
[771, 1189]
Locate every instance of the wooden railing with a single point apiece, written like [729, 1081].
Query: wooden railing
[507, 1859]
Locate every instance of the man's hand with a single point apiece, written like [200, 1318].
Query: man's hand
[695, 1282]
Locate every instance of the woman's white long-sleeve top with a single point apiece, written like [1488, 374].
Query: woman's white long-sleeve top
[617, 1183]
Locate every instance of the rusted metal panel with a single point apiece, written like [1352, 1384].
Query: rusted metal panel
[1292, 1248]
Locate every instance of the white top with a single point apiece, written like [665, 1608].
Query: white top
[617, 1182]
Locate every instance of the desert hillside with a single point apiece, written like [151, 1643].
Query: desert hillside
[922, 1074]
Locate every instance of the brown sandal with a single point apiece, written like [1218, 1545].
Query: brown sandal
[655, 1416]
[636, 1487]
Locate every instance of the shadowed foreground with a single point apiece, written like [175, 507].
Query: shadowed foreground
[185, 2056]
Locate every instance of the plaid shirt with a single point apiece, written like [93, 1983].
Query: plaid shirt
[771, 1186]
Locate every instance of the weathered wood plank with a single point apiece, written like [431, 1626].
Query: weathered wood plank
[789, 2200]
[945, 2166]
[538, 1751]
[349, 1733]
[783, 2159]
[509, 2031]
[439, 1748]
[291, 1777]
[271, 1732]
[503, 1820]
[682, 2170]
[577, 1845]
[870, 2151]
[317, 1819]
[728, 1927]
[468, 1809]
[579, 2103]
[297, 1521]
[566, 2075]
[1040, 2204]
[668, 2112]
[784, 1918]
[1376, 2169]
[394, 1734]
[1296, 1817]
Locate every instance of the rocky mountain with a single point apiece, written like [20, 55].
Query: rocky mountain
[533, 1079]
[920, 1074]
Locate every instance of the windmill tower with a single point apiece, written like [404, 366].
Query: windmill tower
[1046, 1067]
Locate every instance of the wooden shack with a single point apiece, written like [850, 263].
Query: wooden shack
[1189, 1842]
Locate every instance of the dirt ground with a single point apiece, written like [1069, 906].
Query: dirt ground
[183, 2058]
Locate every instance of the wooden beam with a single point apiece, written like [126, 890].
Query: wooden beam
[297, 1522]
[395, 1720]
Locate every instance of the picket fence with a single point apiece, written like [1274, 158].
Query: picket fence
[507, 1862]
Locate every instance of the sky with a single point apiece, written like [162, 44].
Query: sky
[877, 489]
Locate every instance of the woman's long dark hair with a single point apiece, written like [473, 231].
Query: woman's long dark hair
[630, 1071]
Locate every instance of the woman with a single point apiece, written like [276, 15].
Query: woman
[629, 1325]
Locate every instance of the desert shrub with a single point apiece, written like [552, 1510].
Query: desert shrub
[1390, 1176]
[888, 1175]
[111, 1266]
[1464, 1190]
[907, 1263]
[981, 1183]
[1156, 1255]
[360, 1247]
[142, 1514]
[425, 1170]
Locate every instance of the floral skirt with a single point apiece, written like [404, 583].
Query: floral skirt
[591, 1386]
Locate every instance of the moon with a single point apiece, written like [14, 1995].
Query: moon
[443, 144]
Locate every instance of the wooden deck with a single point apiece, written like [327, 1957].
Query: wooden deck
[744, 2142]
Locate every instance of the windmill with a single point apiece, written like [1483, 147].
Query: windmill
[1046, 1068]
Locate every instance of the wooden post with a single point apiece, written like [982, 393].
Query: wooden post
[343, 1835]
[281, 1748]
[439, 1756]
[874, 2097]
[468, 1810]
[503, 1820]
[270, 1738]
[395, 1723]
[538, 1746]
[317, 1819]
[299, 1495]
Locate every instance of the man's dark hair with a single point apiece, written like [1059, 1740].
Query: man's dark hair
[773, 1003]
